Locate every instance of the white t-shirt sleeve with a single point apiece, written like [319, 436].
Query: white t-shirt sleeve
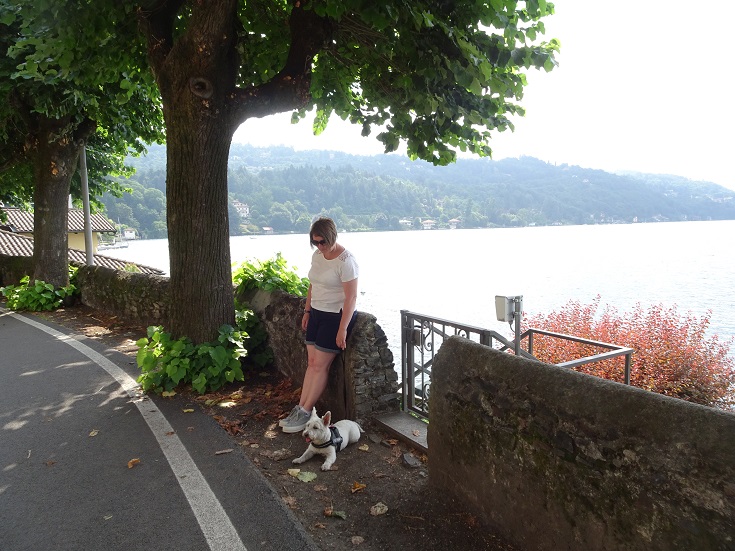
[326, 278]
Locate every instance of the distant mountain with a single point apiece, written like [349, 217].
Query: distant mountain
[284, 189]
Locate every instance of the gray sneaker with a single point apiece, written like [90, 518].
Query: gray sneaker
[298, 423]
[283, 422]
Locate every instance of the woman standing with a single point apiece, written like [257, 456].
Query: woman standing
[328, 317]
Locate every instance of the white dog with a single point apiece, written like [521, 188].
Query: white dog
[326, 439]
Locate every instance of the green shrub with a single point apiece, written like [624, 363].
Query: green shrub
[269, 275]
[165, 363]
[36, 297]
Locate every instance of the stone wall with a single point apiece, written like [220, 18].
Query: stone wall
[560, 460]
[13, 268]
[362, 380]
[138, 298]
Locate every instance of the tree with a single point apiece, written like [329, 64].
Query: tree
[59, 90]
[436, 75]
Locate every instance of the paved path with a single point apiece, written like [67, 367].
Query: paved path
[71, 417]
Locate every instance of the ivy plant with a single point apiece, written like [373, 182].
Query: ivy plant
[166, 363]
[37, 296]
[269, 275]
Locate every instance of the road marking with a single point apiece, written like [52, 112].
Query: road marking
[212, 518]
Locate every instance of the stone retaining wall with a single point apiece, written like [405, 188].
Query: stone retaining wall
[138, 298]
[362, 380]
[13, 268]
[560, 460]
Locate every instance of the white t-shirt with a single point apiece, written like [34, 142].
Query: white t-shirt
[326, 278]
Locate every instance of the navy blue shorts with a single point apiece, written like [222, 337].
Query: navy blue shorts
[321, 331]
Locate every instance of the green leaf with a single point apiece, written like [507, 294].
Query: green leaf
[307, 476]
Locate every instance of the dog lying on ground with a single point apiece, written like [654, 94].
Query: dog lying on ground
[327, 439]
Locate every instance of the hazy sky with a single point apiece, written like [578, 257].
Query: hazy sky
[644, 85]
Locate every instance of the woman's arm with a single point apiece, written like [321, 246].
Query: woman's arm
[307, 310]
[348, 308]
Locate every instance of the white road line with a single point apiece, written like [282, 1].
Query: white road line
[213, 520]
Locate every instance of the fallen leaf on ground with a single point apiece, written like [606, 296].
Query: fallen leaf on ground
[378, 509]
[227, 404]
[189, 410]
[364, 448]
[107, 517]
[168, 393]
[330, 512]
[170, 433]
[133, 462]
[416, 432]
[290, 501]
[95, 432]
[320, 488]
[306, 476]
[49, 463]
[222, 452]
[320, 525]
[357, 540]
[357, 487]
[293, 472]
[270, 434]
[277, 455]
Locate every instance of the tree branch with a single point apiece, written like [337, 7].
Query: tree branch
[290, 88]
[157, 23]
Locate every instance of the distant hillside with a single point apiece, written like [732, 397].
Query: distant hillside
[284, 189]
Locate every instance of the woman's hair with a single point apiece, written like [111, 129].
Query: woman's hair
[325, 228]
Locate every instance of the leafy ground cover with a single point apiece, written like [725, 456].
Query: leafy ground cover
[377, 497]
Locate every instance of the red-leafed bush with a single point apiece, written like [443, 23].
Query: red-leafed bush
[673, 355]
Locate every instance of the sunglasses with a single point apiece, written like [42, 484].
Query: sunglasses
[318, 243]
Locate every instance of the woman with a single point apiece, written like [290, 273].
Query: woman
[328, 316]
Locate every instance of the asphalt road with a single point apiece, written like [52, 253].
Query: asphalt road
[72, 417]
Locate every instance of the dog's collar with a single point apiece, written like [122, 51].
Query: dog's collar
[334, 440]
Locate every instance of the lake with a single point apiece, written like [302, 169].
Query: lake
[455, 274]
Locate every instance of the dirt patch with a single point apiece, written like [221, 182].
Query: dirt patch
[375, 497]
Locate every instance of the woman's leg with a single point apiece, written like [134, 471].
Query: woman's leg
[316, 376]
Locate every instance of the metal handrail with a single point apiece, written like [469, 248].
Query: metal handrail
[615, 350]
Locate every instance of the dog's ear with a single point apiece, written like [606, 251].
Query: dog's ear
[313, 413]
[327, 419]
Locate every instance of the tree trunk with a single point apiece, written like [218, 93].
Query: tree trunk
[54, 166]
[198, 228]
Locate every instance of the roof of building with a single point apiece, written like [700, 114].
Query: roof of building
[12, 244]
[22, 221]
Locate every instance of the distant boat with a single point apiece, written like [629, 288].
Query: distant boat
[115, 244]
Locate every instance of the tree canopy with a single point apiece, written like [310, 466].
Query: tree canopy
[61, 88]
[436, 75]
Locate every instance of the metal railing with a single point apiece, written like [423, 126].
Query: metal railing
[615, 350]
[421, 337]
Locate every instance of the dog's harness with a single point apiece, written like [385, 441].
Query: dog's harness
[335, 439]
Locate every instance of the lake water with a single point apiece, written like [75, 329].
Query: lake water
[455, 274]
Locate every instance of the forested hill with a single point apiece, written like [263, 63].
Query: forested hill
[284, 189]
